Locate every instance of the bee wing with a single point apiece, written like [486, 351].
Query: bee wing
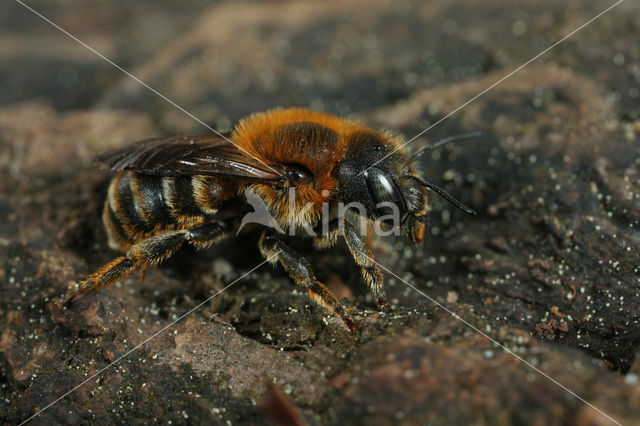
[186, 155]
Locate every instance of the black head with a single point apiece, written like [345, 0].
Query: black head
[376, 176]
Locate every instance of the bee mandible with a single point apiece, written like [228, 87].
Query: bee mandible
[192, 190]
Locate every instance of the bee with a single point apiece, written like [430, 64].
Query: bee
[191, 190]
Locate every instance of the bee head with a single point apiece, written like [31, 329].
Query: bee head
[380, 177]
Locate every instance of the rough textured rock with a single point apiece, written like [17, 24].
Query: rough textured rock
[548, 268]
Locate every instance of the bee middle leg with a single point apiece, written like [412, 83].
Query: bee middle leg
[298, 268]
[152, 251]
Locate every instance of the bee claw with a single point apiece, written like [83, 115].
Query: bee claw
[383, 305]
[63, 300]
[71, 293]
[59, 302]
[350, 324]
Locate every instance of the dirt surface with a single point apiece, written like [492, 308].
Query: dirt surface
[549, 268]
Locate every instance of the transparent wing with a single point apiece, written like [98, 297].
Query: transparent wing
[186, 155]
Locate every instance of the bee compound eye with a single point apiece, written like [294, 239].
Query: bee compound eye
[384, 190]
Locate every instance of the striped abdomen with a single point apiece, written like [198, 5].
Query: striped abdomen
[139, 206]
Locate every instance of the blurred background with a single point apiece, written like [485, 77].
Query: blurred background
[223, 60]
[549, 267]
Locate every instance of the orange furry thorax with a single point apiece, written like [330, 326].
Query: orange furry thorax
[261, 135]
[314, 140]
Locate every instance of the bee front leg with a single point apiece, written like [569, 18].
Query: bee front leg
[363, 257]
[300, 271]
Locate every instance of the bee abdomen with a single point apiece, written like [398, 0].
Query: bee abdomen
[119, 239]
[149, 200]
[123, 205]
[208, 192]
[179, 199]
[139, 205]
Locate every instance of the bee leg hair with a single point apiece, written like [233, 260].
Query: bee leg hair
[361, 254]
[151, 251]
[298, 268]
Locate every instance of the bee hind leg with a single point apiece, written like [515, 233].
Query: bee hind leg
[150, 252]
[298, 268]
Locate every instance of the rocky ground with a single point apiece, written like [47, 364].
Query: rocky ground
[548, 268]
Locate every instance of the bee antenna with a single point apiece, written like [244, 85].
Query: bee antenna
[444, 194]
[442, 142]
